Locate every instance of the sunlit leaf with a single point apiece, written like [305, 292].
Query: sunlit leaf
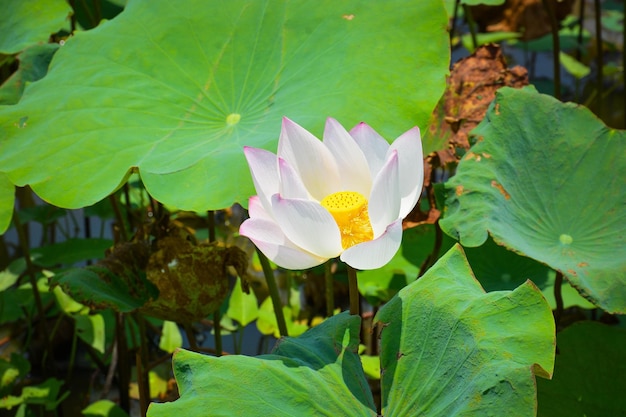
[28, 22]
[90, 328]
[171, 338]
[448, 348]
[103, 408]
[318, 373]
[242, 307]
[589, 374]
[573, 66]
[548, 184]
[211, 77]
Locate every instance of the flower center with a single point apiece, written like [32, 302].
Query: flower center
[349, 209]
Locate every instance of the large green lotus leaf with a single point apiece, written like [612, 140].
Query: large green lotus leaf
[7, 198]
[316, 374]
[547, 180]
[177, 89]
[448, 348]
[24, 23]
[589, 374]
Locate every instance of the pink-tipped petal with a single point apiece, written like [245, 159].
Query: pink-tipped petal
[308, 225]
[264, 169]
[409, 147]
[291, 185]
[270, 240]
[353, 168]
[384, 201]
[375, 253]
[373, 146]
[309, 157]
[256, 209]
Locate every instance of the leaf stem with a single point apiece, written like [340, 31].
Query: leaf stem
[556, 47]
[558, 296]
[353, 290]
[30, 271]
[329, 290]
[599, 57]
[217, 331]
[472, 25]
[123, 365]
[273, 288]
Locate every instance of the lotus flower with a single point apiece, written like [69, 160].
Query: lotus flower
[345, 196]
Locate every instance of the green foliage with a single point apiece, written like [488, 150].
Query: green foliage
[34, 63]
[191, 101]
[589, 374]
[103, 408]
[279, 384]
[548, 184]
[443, 350]
[31, 22]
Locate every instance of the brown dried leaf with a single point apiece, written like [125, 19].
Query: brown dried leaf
[527, 17]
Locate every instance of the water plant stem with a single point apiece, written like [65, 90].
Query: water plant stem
[141, 361]
[217, 316]
[217, 331]
[472, 25]
[353, 290]
[556, 47]
[558, 297]
[330, 296]
[30, 271]
[599, 56]
[273, 289]
[123, 364]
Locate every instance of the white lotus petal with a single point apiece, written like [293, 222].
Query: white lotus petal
[308, 225]
[377, 252]
[256, 209]
[270, 240]
[384, 201]
[264, 169]
[354, 171]
[291, 185]
[373, 146]
[312, 160]
[409, 147]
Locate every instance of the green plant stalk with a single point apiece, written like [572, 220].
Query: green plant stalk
[119, 218]
[329, 291]
[217, 316]
[599, 57]
[123, 364]
[353, 290]
[217, 331]
[273, 289]
[579, 46]
[556, 47]
[558, 297]
[141, 361]
[30, 271]
[472, 25]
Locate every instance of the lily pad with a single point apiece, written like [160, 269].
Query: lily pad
[29, 22]
[546, 180]
[211, 77]
[318, 373]
[590, 373]
[448, 348]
